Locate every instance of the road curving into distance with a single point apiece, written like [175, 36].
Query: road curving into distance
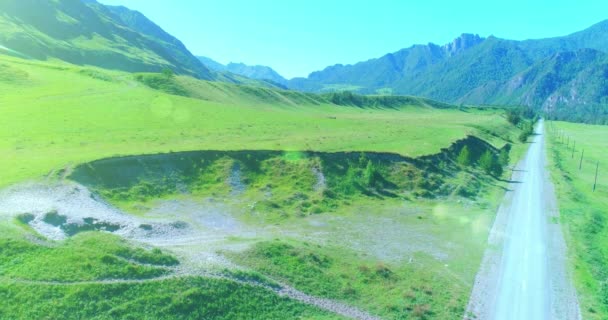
[524, 272]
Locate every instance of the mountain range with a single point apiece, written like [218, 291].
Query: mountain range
[556, 74]
[254, 72]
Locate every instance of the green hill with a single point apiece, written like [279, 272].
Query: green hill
[89, 33]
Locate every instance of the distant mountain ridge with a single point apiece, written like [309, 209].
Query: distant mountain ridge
[477, 70]
[381, 72]
[254, 72]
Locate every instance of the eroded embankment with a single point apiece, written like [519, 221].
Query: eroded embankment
[290, 182]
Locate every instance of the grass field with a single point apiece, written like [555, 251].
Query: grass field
[50, 280]
[396, 234]
[584, 212]
[182, 298]
[55, 115]
[415, 262]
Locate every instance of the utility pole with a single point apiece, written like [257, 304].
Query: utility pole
[580, 164]
[597, 166]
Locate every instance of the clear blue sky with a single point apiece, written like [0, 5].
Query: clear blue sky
[296, 37]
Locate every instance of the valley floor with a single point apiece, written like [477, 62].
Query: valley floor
[293, 207]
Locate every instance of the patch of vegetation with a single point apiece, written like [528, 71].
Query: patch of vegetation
[162, 81]
[153, 257]
[388, 290]
[185, 298]
[12, 75]
[101, 256]
[251, 277]
[347, 98]
[86, 256]
[97, 74]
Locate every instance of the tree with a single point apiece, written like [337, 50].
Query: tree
[489, 164]
[527, 130]
[369, 174]
[362, 159]
[497, 169]
[513, 117]
[168, 73]
[503, 157]
[464, 157]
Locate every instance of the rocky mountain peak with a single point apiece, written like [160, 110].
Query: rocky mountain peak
[462, 43]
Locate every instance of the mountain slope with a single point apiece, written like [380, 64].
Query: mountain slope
[86, 32]
[254, 72]
[593, 37]
[487, 64]
[211, 64]
[569, 85]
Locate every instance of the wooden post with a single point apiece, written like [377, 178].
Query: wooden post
[580, 164]
[597, 166]
[573, 148]
[568, 142]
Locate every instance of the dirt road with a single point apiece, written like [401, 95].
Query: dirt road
[524, 273]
